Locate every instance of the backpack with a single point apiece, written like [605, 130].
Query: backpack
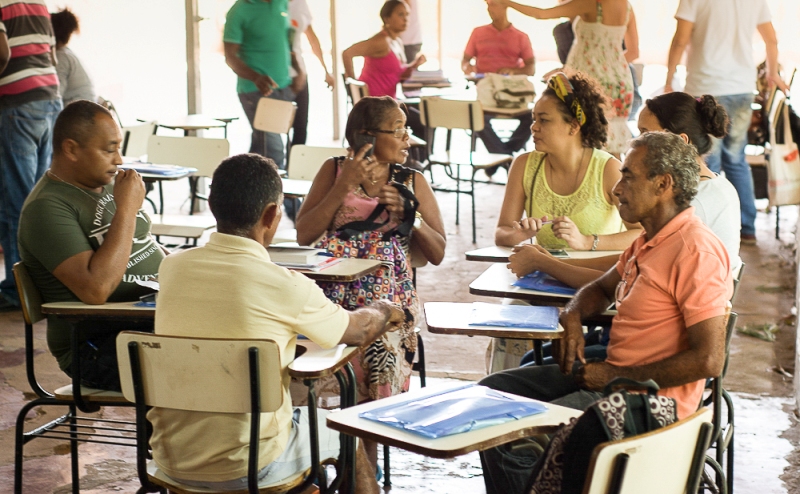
[620, 414]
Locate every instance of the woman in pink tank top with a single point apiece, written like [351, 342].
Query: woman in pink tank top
[385, 62]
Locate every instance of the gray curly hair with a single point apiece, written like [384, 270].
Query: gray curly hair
[667, 154]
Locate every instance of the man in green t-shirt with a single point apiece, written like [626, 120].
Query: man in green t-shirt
[256, 40]
[83, 238]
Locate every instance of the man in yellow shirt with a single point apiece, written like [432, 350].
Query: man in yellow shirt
[230, 288]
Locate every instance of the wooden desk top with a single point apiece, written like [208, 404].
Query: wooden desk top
[317, 362]
[344, 270]
[500, 254]
[497, 282]
[179, 225]
[296, 188]
[79, 310]
[453, 318]
[348, 421]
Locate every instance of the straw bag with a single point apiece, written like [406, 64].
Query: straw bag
[783, 166]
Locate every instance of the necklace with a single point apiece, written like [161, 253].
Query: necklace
[50, 172]
[373, 180]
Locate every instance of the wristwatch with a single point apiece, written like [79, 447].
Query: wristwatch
[417, 221]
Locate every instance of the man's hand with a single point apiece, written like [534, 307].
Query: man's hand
[595, 375]
[329, 80]
[419, 61]
[527, 258]
[571, 344]
[265, 84]
[395, 314]
[129, 190]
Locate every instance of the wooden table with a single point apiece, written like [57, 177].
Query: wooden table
[79, 310]
[500, 254]
[348, 422]
[453, 318]
[296, 188]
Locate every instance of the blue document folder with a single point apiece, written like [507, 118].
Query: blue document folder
[514, 316]
[455, 410]
[542, 282]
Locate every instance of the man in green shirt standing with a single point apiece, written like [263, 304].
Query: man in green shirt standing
[257, 49]
[85, 239]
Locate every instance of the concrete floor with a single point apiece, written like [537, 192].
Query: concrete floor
[767, 433]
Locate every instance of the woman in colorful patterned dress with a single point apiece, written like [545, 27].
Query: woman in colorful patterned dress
[600, 27]
[375, 208]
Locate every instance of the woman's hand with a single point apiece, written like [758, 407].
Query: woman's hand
[527, 258]
[566, 230]
[395, 203]
[529, 227]
[356, 169]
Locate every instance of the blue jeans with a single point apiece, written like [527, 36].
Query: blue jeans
[266, 144]
[26, 146]
[727, 155]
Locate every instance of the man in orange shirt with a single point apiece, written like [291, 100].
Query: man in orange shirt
[671, 288]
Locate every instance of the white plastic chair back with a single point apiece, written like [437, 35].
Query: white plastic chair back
[197, 152]
[273, 115]
[136, 138]
[305, 161]
[438, 112]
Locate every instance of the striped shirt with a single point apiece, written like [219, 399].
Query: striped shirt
[30, 74]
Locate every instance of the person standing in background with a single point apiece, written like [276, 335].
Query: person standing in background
[256, 40]
[412, 36]
[300, 16]
[29, 105]
[73, 81]
[720, 63]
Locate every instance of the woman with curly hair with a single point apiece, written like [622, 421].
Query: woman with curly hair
[564, 186]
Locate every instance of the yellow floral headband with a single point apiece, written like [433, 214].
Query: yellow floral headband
[566, 93]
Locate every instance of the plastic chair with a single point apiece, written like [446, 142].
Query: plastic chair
[463, 115]
[135, 139]
[194, 152]
[640, 463]
[305, 161]
[238, 376]
[275, 116]
[355, 90]
[71, 426]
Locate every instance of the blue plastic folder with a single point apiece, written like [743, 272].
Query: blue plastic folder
[542, 282]
[463, 409]
[514, 316]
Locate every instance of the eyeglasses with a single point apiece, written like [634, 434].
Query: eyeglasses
[398, 133]
[628, 279]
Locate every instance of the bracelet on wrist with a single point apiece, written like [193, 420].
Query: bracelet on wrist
[595, 241]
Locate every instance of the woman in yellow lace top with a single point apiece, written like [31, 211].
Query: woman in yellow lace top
[564, 187]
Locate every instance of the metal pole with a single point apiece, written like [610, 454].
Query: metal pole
[335, 69]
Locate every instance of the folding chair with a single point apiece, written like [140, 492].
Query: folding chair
[195, 152]
[639, 464]
[216, 376]
[463, 115]
[71, 426]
